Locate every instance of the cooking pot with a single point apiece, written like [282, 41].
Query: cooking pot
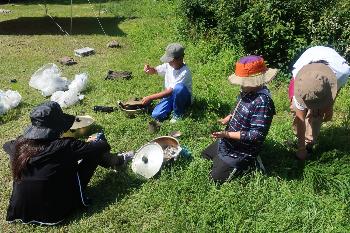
[170, 145]
[81, 127]
[149, 158]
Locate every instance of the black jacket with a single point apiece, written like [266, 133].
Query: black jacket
[50, 187]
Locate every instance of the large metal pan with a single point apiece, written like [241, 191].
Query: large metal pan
[81, 127]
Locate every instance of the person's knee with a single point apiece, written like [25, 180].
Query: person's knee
[158, 115]
[155, 114]
[222, 176]
[204, 155]
[217, 177]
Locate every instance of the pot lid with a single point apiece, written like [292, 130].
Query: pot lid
[148, 160]
[82, 121]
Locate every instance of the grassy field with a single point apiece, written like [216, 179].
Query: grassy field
[292, 197]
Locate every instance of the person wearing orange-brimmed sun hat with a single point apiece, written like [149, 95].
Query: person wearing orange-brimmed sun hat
[236, 149]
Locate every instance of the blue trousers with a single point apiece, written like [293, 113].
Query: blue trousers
[178, 101]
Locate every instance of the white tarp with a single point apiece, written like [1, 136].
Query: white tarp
[8, 100]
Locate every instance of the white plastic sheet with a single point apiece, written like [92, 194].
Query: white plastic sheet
[48, 80]
[79, 83]
[72, 96]
[8, 100]
[66, 98]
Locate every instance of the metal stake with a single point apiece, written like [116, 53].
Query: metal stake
[71, 16]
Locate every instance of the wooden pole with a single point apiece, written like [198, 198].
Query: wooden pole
[45, 8]
[71, 16]
[99, 10]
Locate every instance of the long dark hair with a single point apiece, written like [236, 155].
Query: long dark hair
[24, 150]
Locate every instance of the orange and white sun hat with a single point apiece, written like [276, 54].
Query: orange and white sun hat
[251, 71]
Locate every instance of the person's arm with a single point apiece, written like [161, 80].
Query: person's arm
[160, 70]
[225, 120]
[149, 69]
[81, 149]
[260, 124]
[300, 124]
[227, 134]
[159, 95]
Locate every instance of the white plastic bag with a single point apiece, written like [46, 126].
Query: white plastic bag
[8, 100]
[66, 98]
[48, 80]
[79, 83]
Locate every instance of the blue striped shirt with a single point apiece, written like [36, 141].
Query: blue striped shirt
[252, 117]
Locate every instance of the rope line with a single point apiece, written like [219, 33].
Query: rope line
[97, 18]
[62, 30]
[65, 32]
[59, 26]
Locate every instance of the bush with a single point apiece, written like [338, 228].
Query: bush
[277, 29]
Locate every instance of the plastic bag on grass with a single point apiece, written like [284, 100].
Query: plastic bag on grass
[79, 83]
[48, 80]
[8, 100]
[66, 98]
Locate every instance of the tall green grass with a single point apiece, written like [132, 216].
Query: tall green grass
[292, 196]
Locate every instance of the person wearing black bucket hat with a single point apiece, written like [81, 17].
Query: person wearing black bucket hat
[50, 173]
[48, 122]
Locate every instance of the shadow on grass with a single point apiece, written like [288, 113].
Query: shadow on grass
[335, 138]
[111, 188]
[180, 164]
[200, 107]
[279, 161]
[15, 113]
[61, 2]
[46, 26]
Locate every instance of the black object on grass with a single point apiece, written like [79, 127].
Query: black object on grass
[107, 109]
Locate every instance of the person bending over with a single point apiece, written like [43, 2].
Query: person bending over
[318, 75]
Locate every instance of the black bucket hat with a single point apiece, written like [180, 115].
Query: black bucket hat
[48, 122]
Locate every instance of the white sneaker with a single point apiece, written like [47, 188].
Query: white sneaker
[175, 119]
[128, 156]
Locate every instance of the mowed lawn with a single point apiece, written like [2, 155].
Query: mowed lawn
[291, 197]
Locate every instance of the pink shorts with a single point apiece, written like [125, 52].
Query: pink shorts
[291, 89]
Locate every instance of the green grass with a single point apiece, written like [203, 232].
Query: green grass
[291, 197]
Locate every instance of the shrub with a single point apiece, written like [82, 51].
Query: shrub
[277, 29]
